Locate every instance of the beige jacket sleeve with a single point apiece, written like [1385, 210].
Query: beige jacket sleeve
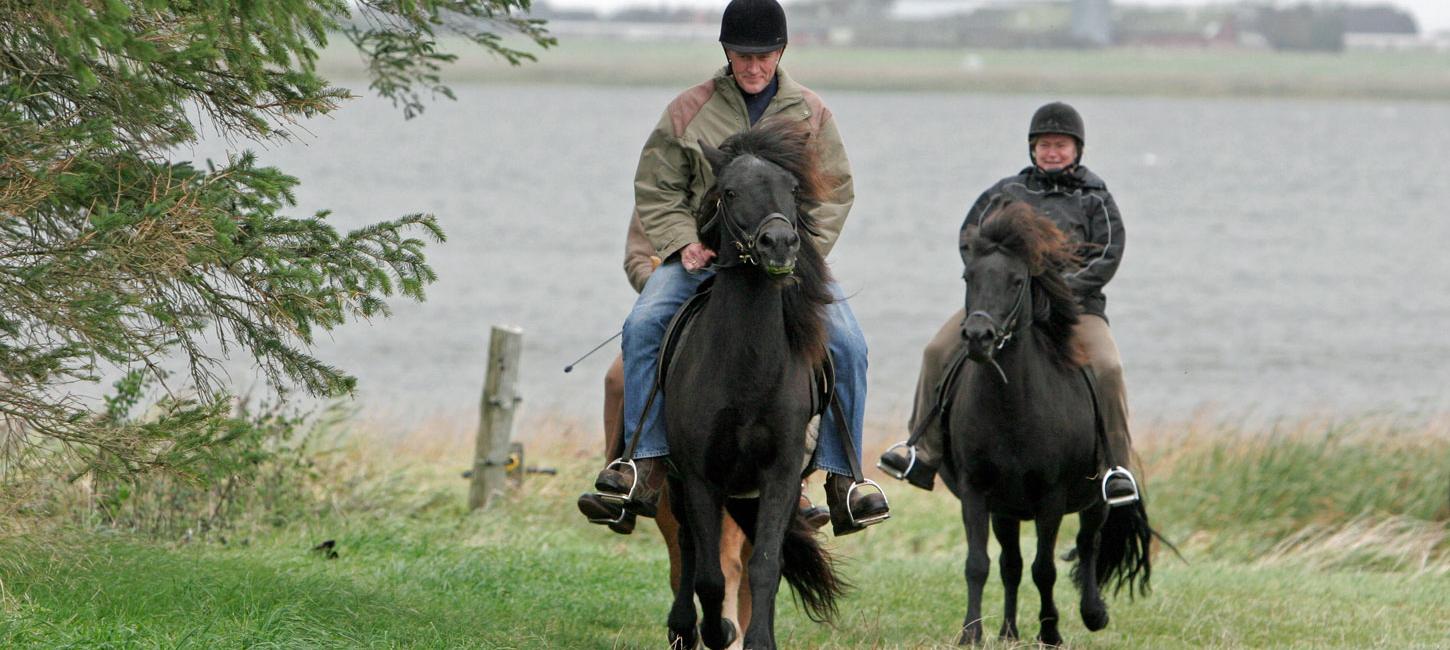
[661, 191]
[830, 215]
[639, 256]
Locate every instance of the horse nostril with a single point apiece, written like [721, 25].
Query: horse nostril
[766, 240]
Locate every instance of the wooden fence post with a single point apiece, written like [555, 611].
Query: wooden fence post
[496, 416]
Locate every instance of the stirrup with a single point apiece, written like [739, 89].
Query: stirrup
[634, 482]
[607, 521]
[1122, 500]
[874, 518]
[891, 471]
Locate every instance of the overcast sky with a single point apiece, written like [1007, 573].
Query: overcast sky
[1433, 15]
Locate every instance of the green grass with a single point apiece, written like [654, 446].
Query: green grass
[1313, 536]
[1114, 71]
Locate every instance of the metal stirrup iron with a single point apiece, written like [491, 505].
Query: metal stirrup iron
[873, 518]
[633, 481]
[892, 471]
[1122, 500]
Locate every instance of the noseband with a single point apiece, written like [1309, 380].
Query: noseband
[744, 243]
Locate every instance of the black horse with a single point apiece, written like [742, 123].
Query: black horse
[1022, 431]
[739, 389]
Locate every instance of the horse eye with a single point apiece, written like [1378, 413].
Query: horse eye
[729, 194]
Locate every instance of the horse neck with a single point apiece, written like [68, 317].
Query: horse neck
[1020, 361]
[747, 316]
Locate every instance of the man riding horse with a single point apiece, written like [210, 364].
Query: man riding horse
[1060, 187]
[670, 184]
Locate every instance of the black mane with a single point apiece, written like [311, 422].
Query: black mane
[1020, 231]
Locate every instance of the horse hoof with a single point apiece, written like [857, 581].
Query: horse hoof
[682, 642]
[971, 635]
[731, 632]
[726, 638]
[1095, 619]
[1050, 638]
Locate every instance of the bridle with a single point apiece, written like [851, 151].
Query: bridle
[744, 243]
[1001, 336]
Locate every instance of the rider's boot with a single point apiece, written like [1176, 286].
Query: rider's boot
[607, 513]
[853, 510]
[625, 489]
[916, 464]
[636, 485]
[815, 516]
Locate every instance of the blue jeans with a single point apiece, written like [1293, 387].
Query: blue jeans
[669, 287]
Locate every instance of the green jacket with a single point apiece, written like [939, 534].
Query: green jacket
[673, 174]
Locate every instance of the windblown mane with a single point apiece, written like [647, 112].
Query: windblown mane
[788, 144]
[1017, 229]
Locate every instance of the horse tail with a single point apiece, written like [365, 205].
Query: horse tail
[807, 567]
[1123, 550]
[811, 571]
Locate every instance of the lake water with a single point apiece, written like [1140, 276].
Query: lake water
[1284, 257]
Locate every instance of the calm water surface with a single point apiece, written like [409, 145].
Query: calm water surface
[1284, 257]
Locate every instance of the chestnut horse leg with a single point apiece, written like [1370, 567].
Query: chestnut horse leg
[734, 549]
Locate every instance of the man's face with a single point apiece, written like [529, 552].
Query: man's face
[1054, 151]
[753, 72]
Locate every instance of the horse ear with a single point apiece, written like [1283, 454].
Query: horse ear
[716, 157]
[1041, 303]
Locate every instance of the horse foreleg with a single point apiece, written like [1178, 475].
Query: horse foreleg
[1044, 575]
[1094, 610]
[734, 553]
[680, 538]
[1008, 531]
[778, 502]
[706, 511]
[979, 565]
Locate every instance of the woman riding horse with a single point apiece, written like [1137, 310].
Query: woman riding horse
[1078, 202]
[1022, 437]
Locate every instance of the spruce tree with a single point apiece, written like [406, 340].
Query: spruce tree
[113, 255]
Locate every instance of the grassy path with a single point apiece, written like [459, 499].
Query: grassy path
[527, 575]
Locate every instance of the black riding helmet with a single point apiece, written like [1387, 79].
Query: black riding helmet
[753, 26]
[1059, 118]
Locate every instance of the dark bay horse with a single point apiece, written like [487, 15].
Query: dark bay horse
[1022, 430]
[739, 390]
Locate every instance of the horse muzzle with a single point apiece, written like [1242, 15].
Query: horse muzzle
[776, 248]
[981, 337]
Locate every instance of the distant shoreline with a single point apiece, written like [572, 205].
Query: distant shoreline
[1163, 72]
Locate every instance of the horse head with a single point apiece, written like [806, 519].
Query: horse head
[1014, 280]
[765, 179]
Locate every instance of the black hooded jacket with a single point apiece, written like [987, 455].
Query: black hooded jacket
[1079, 203]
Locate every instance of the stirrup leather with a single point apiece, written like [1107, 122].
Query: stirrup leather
[892, 471]
[874, 518]
[1122, 500]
